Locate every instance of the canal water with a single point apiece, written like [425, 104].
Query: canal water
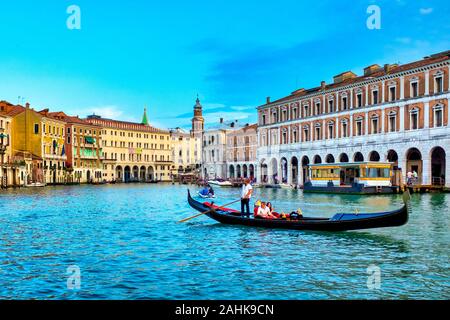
[127, 244]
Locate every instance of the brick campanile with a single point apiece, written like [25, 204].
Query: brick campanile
[198, 122]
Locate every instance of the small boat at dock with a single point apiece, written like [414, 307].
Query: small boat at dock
[220, 183]
[338, 222]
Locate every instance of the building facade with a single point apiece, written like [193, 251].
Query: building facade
[187, 146]
[395, 113]
[214, 154]
[186, 151]
[214, 150]
[83, 149]
[134, 151]
[53, 149]
[241, 152]
[6, 171]
[26, 162]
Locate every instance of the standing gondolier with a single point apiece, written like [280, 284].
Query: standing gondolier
[246, 194]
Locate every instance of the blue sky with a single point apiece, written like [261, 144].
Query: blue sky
[160, 54]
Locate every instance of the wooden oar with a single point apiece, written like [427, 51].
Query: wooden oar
[200, 214]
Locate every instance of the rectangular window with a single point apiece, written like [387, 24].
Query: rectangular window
[375, 96]
[317, 133]
[36, 128]
[330, 131]
[359, 128]
[263, 119]
[344, 130]
[305, 111]
[414, 121]
[392, 123]
[330, 106]
[439, 86]
[344, 103]
[375, 126]
[359, 100]
[392, 94]
[414, 89]
[306, 132]
[438, 118]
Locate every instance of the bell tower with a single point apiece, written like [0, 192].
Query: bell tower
[198, 122]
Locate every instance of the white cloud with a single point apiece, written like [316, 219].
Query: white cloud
[109, 112]
[426, 11]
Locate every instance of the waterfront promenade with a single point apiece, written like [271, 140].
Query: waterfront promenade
[127, 244]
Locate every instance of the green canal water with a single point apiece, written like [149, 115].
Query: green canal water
[126, 243]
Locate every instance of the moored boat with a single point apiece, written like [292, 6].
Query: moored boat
[350, 178]
[220, 183]
[35, 185]
[338, 222]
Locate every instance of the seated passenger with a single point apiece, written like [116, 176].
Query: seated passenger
[272, 211]
[264, 212]
[256, 207]
[211, 191]
[296, 215]
[204, 191]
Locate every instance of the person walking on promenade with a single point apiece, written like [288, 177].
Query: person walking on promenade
[246, 194]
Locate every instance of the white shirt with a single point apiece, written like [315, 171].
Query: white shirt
[245, 189]
[263, 212]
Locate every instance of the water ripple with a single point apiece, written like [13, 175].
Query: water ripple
[128, 245]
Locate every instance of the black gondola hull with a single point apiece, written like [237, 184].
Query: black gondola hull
[394, 218]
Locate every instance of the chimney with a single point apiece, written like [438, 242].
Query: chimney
[386, 68]
[323, 85]
[267, 100]
[27, 105]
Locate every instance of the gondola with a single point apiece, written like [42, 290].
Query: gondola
[339, 222]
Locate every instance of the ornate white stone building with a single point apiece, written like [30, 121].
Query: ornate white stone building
[214, 153]
[396, 113]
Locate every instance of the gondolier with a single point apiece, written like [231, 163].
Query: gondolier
[246, 194]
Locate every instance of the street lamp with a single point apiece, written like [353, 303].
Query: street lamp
[3, 145]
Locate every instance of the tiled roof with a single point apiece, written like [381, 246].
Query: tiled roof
[9, 109]
[125, 125]
[70, 119]
[435, 58]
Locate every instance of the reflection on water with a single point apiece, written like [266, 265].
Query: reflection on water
[128, 245]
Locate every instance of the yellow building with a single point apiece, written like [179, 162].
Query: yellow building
[25, 143]
[134, 152]
[53, 150]
[187, 146]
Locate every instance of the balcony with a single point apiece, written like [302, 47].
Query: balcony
[425, 134]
